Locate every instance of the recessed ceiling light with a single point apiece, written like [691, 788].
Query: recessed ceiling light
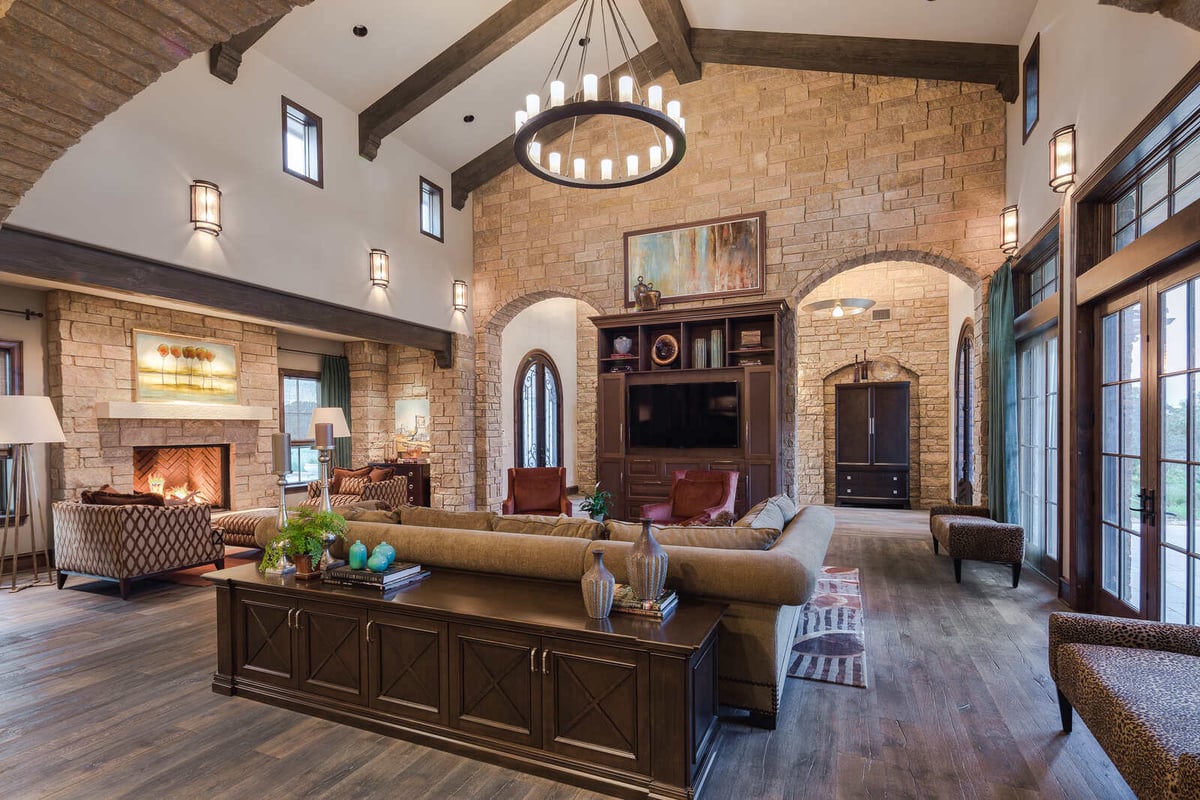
[469, 118]
[360, 30]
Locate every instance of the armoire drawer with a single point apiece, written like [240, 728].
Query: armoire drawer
[892, 484]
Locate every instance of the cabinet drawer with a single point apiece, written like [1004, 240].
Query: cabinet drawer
[888, 485]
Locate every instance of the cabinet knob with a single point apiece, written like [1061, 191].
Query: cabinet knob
[895, 477]
[895, 491]
[849, 491]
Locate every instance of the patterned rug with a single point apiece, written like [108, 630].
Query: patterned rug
[830, 645]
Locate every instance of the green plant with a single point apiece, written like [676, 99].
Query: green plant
[596, 502]
[303, 534]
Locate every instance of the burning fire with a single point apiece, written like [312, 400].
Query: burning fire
[176, 494]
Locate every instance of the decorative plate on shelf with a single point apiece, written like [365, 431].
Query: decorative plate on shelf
[884, 368]
[665, 350]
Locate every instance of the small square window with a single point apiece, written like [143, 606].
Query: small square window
[1029, 82]
[431, 209]
[302, 143]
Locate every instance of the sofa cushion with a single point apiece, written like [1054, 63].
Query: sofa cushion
[353, 485]
[437, 518]
[381, 474]
[691, 497]
[719, 538]
[562, 525]
[354, 514]
[335, 483]
[103, 498]
[537, 491]
[751, 515]
[772, 515]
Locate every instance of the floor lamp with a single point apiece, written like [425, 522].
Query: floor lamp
[26, 420]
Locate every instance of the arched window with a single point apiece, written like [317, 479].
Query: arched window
[964, 401]
[538, 406]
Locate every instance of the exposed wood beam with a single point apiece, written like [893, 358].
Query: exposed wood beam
[225, 58]
[993, 64]
[40, 256]
[500, 157]
[458, 62]
[670, 24]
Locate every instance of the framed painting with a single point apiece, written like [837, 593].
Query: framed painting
[712, 258]
[412, 427]
[169, 368]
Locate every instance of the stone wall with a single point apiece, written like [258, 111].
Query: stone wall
[851, 170]
[586, 368]
[89, 353]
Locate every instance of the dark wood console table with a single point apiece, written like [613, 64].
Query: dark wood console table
[506, 670]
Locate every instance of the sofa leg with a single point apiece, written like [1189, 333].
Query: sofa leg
[220, 564]
[1016, 574]
[62, 579]
[760, 719]
[123, 585]
[958, 570]
[1064, 710]
[935, 544]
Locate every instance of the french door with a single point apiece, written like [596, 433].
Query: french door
[1149, 431]
[1038, 462]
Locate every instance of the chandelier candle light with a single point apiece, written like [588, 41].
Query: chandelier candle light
[632, 141]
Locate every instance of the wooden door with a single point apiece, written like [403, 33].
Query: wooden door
[595, 703]
[495, 684]
[852, 412]
[889, 424]
[263, 627]
[332, 652]
[407, 666]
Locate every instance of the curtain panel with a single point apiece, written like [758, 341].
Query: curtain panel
[335, 391]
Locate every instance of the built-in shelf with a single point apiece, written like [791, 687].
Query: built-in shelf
[117, 409]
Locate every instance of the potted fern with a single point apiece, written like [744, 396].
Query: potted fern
[597, 503]
[302, 539]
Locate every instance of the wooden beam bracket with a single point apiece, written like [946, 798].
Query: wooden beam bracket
[225, 58]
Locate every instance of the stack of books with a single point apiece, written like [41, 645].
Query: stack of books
[626, 602]
[395, 576]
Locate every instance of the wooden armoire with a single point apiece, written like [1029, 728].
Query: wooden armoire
[872, 454]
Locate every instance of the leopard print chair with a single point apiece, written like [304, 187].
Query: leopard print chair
[1136, 685]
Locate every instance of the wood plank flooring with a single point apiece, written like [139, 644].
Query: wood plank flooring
[101, 698]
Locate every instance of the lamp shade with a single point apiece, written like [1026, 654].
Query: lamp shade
[332, 415]
[1062, 158]
[28, 419]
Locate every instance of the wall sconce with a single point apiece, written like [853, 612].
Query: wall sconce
[1008, 230]
[1062, 158]
[460, 295]
[380, 270]
[206, 207]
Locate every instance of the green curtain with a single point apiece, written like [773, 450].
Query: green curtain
[1002, 393]
[335, 391]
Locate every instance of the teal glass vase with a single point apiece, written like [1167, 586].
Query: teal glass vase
[358, 555]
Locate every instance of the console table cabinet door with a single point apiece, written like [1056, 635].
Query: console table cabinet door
[495, 686]
[264, 644]
[333, 656]
[407, 667]
[596, 704]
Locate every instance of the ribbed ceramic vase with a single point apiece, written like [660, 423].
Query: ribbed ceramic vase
[598, 587]
[716, 348]
[699, 354]
[647, 566]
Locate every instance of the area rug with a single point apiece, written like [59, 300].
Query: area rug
[234, 557]
[830, 645]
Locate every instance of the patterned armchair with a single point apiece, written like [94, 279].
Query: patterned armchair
[121, 543]
[392, 492]
[697, 498]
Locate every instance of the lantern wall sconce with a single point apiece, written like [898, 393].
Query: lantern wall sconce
[206, 207]
[460, 295]
[1062, 158]
[1008, 230]
[380, 268]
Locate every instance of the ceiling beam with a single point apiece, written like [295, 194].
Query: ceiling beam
[224, 58]
[450, 68]
[670, 24]
[500, 156]
[993, 64]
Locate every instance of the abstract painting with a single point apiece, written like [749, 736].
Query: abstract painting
[412, 426]
[168, 368]
[712, 258]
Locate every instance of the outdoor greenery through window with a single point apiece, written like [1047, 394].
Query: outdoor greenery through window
[299, 395]
[301, 143]
[431, 209]
[1168, 184]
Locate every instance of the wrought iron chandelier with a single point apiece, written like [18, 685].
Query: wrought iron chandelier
[633, 140]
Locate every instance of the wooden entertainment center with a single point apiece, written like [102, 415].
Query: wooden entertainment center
[507, 670]
[753, 348]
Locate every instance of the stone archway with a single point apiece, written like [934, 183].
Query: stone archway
[489, 467]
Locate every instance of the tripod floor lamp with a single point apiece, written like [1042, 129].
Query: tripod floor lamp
[25, 420]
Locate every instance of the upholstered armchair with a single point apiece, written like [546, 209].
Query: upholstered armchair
[122, 543]
[393, 492]
[537, 490]
[697, 497]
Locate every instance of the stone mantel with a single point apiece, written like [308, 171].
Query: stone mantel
[114, 409]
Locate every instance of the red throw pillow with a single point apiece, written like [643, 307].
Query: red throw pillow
[537, 493]
[382, 474]
[692, 497]
[335, 483]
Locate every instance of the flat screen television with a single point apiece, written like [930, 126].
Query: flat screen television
[683, 415]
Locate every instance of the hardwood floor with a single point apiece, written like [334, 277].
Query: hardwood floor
[101, 698]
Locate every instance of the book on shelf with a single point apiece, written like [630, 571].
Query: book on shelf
[626, 602]
[393, 575]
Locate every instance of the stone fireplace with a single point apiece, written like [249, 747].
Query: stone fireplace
[193, 473]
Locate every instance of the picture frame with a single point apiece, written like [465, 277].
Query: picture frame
[412, 427]
[712, 258]
[175, 368]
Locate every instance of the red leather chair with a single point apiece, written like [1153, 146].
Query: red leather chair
[697, 497]
[537, 490]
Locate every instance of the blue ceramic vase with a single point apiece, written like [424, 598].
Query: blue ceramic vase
[377, 562]
[387, 550]
[358, 555]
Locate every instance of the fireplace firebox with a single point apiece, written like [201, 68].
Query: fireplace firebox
[188, 473]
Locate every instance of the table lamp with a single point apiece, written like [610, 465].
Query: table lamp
[25, 420]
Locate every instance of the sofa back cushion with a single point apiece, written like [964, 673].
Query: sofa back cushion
[537, 490]
[355, 514]
[335, 483]
[437, 518]
[378, 474]
[100, 497]
[562, 525]
[692, 496]
[722, 538]
[779, 511]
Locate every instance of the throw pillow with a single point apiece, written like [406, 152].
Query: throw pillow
[787, 505]
[537, 492]
[353, 485]
[771, 516]
[100, 498]
[749, 517]
[335, 483]
[691, 497]
[381, 474]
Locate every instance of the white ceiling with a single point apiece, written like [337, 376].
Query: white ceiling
[316, 43]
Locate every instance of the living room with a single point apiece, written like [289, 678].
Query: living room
[469, 333]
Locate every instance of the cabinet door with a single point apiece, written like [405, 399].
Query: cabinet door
[890, 413]
[612, 416]
[759, 413]
[611, 474]
[853, 416]
[596, 704]
[407, 666]
[264, 642]
[332, 651]
[495, 686]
